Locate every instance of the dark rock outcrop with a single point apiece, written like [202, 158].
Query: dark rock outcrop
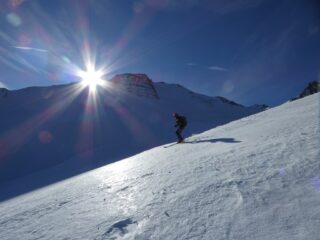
[312, 88]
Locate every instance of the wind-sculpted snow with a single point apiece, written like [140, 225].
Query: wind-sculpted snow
[255, 178]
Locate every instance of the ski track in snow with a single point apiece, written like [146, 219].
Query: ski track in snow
[259, 181]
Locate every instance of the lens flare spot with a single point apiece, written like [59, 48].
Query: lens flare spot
[15, 3]
[228, 86]
[316, 183]
[66, 59]
[14, 19]
[45, 137]
[282, 172]
[24, 40]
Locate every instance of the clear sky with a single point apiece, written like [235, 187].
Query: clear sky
[249, 51]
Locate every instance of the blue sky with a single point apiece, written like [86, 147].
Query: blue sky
[250, 51]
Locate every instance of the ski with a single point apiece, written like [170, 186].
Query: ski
[173, 144]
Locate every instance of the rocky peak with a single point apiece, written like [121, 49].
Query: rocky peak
[313, 87]
[138, 84]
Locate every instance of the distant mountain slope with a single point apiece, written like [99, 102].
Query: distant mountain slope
[45, 126]
[312, 88]
[255, 178]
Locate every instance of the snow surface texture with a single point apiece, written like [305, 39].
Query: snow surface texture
[255, 178]
[41, 127]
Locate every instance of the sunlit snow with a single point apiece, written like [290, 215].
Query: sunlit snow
[254, 178]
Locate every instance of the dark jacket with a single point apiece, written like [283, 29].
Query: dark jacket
[181, 121]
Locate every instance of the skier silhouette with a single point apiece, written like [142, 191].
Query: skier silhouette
[181, 123]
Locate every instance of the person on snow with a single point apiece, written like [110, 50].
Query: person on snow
[181, 123]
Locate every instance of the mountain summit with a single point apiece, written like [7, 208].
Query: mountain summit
[139, 84]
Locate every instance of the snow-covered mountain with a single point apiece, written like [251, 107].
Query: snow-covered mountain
[255, 178]
[44, 126]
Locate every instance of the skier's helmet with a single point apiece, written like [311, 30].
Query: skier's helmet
[175, 114]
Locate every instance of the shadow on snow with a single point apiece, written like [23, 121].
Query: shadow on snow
[215, 140]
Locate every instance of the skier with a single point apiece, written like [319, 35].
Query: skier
[181, 123]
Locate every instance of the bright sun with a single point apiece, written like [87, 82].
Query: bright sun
[91, 78]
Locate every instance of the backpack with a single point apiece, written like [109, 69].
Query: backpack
[184, 121]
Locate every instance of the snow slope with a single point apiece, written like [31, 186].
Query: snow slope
[41, 127]
[254, 178]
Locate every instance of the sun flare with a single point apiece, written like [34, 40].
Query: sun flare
[91, 78]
